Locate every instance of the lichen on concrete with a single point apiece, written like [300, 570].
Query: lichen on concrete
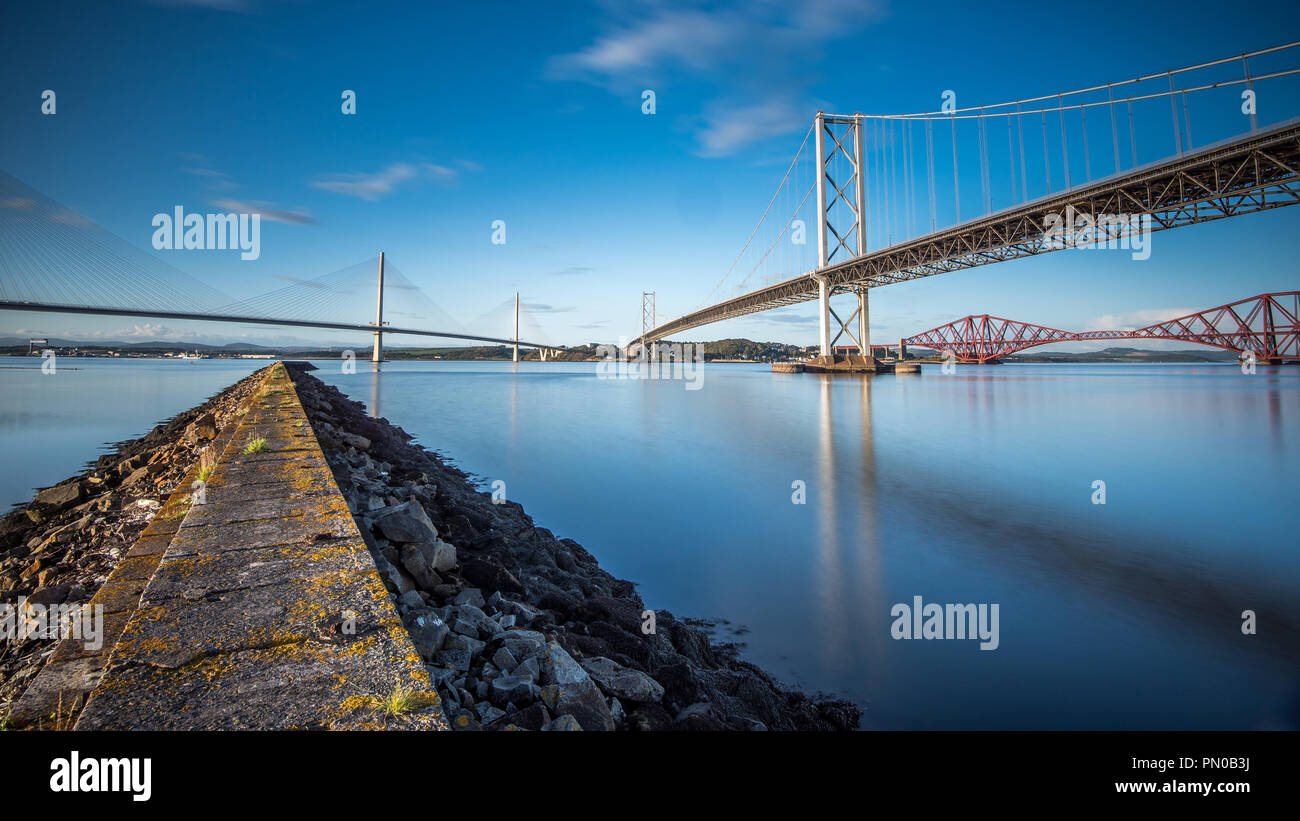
[266, 610]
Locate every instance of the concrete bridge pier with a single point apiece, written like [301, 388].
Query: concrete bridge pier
[864, 323]
[824, 316]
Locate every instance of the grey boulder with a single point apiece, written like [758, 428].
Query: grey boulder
[622, 682]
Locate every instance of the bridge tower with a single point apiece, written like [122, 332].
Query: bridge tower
[648, 321]
[378, 355]
[516, 336]
[841, 217]
[1269, 342]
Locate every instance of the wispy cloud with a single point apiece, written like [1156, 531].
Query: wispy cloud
[1133, 319]
[727, 129]
[139, 331]
[216, 180]
[780, 318]
[219, 181]
[270, 213]
[757, 55]
[379, 184]
[694, 37]
[572, 270]
[542, 308]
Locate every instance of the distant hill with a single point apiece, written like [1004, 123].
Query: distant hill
[719, 349]
[1198, 354]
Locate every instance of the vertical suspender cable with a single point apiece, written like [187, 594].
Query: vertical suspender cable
[889, 180]
[1087, 159]
[1020, 135]
[1011, 161]
[984, 161]
[1250, 86]
[1065, 146]
[863, 164]
[912, 196]
[1114, 130]
[956, 185]
[883, 199]
[906, 177]
[929, 172]
[1132, 135]
[1187, 122]
[1047, 161]
[1173, 111]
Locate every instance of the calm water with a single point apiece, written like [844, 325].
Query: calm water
[974, 487]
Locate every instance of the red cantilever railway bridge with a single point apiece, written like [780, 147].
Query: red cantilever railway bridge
[1267, 326]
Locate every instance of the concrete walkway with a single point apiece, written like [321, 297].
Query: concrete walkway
[266, 610]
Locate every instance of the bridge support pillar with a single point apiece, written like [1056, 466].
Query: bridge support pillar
[377, 355]
[824, 316]
[902, 350]
[864, 324]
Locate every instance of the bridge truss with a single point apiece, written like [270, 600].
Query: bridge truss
[1267, 326]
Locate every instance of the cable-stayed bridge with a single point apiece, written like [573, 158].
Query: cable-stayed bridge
[1103, 166]
[53, 260]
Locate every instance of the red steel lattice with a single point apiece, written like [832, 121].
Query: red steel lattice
[1267, 326]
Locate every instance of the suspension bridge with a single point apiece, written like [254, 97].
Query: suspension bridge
[880, 216]
[54, 260]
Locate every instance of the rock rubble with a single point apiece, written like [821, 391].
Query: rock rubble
[520, 629]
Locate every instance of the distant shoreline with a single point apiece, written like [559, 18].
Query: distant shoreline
[1142, 357]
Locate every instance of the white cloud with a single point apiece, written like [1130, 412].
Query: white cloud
[727, 129]
[1134, 319]
[750, 51]
[695, 37]
[542, 308]
[298, 216]
[140, 330]
[373, 186]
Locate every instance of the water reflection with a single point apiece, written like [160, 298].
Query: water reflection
[834, 625]
[850, 584]
[1275, 411]
[868, 502]
[374, 390]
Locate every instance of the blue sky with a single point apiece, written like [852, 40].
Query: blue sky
[532, 114]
